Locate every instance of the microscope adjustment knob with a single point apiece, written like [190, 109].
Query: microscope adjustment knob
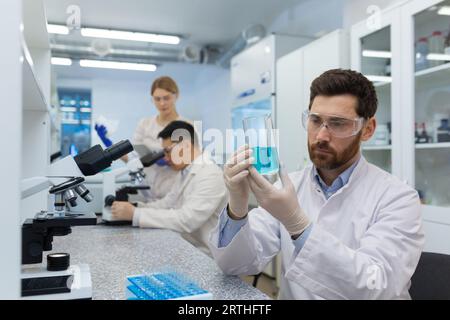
[109, 200]
[58, 261]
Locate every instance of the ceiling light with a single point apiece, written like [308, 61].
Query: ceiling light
[379, 79]
[377, 54]
[444, 11]
[58, 29]
[61, 61]
[438, 57]
[117, 65]
[131, 36]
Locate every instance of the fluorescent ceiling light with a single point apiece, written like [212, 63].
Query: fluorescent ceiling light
[58, 29]
[117, 65]
[444, 11]
[379, 79]
[438, 57]
[132, 36]
[377, 54]
[61, 61]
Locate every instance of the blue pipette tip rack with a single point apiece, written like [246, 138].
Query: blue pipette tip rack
[164, 286]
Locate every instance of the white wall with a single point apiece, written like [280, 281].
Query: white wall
[213, 88]
[356, 10]
[125, 95]
[310, 18]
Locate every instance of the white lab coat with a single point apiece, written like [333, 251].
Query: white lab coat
[366, 236]
[160, 179]
[192, 206]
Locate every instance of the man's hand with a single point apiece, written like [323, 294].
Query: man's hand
[235, 174]
[280, 203]
[122, 210]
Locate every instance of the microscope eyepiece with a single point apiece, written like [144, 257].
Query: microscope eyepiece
[95, 159]
[118, 150]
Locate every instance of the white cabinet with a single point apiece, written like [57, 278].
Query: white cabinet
[253, 71]
[10, 126]
[36, 121]
[295, 73]
[372, 54]
[405, 57]
[24, 123]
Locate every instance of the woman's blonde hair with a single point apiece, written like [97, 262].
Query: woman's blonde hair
[165, 83]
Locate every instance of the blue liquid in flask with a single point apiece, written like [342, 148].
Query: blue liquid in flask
[266, 160]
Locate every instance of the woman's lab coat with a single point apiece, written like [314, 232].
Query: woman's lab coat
[192, 206]
[365, 242]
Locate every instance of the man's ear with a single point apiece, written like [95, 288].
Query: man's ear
[369, 129]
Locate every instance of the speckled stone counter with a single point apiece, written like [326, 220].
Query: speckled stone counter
[113, 253]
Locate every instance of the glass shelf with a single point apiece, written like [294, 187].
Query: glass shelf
[433, 76]
[432, 105]
[442, 145]
[376, 148]
[376, 66]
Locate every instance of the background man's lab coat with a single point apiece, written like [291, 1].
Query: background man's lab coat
[365, 241]
[192, 206]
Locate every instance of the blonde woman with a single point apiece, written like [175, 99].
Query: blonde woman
[164, 92]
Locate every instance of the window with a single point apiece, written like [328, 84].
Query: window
[76, 109]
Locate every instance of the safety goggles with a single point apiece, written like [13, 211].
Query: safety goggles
[337, 126]
[164, 98]
[169, 149]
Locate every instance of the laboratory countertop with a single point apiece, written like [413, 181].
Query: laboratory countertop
[113, 253]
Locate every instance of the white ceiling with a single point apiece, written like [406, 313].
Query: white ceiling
[216, 22]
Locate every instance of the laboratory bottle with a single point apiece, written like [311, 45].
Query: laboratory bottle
[424, 137]
[416, 133]
[421, 54]
[447, 42]
[443, 132]
[436, 46]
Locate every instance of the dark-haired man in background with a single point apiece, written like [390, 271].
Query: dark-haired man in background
[196, 198]
[345, 228]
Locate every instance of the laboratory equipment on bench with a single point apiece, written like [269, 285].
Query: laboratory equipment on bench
[140, 159]
[422, 50]
[261, 138]
[443, 132]
[59, 280]
[164, 285]
[437, 46]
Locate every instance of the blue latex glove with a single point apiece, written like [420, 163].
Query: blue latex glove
[102, 132]
[162, 162]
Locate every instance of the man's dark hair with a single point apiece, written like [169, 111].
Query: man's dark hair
[179, 130]
[338, 82]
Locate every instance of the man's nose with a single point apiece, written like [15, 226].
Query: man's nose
[323, 134]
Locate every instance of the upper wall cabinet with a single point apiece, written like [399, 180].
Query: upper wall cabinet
[407, 56]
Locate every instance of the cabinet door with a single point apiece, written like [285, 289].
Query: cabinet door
[432, 103]
[426, 97]
[295, 73]
[373, 45]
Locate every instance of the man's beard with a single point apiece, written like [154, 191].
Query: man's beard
[332, 160]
